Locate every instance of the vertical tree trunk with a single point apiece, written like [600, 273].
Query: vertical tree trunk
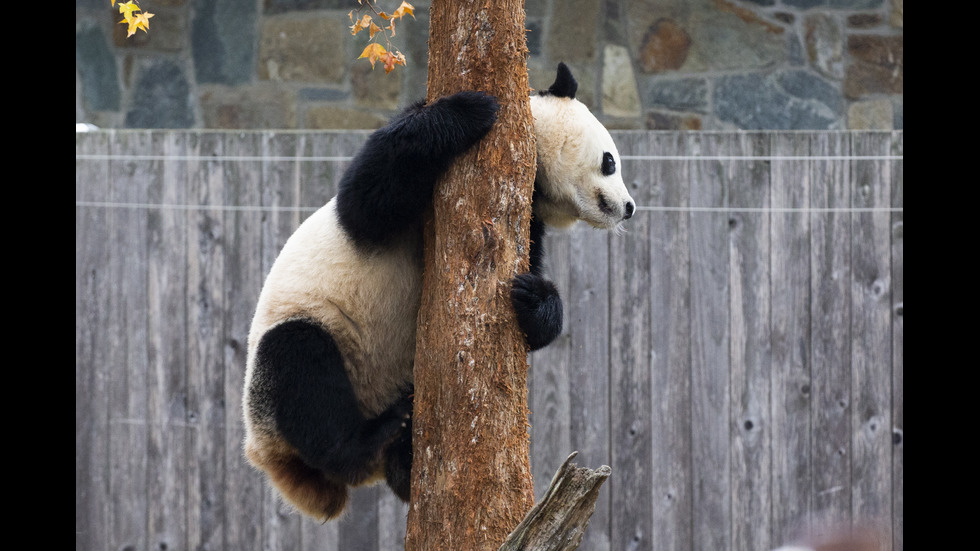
[471, 476]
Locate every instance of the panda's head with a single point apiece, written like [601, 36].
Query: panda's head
[578, 176]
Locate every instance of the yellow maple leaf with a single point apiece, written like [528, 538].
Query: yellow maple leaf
[143, 21]
[373, 52]
[127, 9]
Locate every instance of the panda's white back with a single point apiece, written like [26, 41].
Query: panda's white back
[368, 302]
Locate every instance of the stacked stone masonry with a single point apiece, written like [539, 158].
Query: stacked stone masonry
[642, 64]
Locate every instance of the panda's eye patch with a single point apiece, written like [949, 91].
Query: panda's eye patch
[608, 164]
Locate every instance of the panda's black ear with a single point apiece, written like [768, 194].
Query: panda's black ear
[565, 85]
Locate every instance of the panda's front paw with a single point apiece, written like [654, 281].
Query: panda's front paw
[472, 114]
[539, 309]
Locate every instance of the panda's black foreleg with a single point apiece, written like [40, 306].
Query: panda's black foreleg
[536, 300]
[307, 391]
[539, 309]
[389, 183]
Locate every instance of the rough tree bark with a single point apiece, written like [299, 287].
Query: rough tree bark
[471, 476]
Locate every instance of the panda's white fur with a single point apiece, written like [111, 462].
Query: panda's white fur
[365, 300]
[328, 383]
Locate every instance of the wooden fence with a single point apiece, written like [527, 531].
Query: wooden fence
[736, 357]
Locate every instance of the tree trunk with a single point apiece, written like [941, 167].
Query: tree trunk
[471, 475]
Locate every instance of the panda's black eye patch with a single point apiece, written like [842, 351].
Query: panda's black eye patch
[608, 164]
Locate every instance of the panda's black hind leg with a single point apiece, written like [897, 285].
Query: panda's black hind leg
[307, 391]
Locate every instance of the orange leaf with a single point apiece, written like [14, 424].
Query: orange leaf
[361, 24]
[392, 59]
[373, 51]
[403, 9]
[373, 29]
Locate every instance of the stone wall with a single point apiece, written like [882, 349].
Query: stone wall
[643, 64]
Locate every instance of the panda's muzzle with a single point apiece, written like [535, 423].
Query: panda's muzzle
[607, 208]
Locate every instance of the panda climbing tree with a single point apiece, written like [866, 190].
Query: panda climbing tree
[390, 337]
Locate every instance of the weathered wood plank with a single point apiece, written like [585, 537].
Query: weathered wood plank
[790, 330]
[93, 291]
[710, 365]
[629, 352]
[549, 392]
[898, 342]
[243, 275]
[166, 379]
[206, 408]
[127, 334]
[830, 332]
[587, 314]
[670, 345]
[749, 269]
[871, 325]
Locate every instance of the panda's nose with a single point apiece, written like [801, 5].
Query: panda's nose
[629, 210]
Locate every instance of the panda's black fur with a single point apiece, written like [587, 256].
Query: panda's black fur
[328, 386]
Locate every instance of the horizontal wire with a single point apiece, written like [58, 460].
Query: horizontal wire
[256, 208]
[277, 158]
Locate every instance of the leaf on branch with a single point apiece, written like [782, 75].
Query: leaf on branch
[361, 24]
[373, 52]
[134, 17]
[392, 59]
[127, 9]
[403, 9]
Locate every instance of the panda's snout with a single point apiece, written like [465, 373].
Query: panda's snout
[630, 208]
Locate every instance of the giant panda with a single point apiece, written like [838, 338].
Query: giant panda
[328, 384]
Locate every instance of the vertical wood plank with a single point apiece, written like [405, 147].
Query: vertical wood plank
[749, 269]
[898, 342]
[243, 275]
[790, 330]
[629, 348]
[93, 291]
[206, 415]
[127, 337]
[587, 314]
[166, 247]
[871, 323]
[549, 387]
[710, 375]
[830, 331]
[670, 344]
